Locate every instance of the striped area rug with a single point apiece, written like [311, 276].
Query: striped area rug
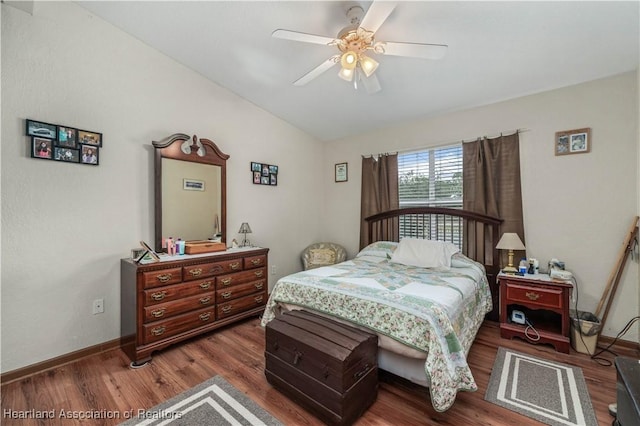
[214, 402]
[548, 391]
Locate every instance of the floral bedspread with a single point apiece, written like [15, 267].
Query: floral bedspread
[437, 311]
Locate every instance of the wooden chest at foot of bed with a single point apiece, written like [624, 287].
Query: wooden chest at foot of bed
[328, 368]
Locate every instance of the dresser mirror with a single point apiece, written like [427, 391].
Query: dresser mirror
[190, 189]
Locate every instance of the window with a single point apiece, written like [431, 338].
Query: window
[431, 177]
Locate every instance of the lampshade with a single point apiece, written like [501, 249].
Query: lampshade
[510, 241]
[368, 65]
[349, 60]
[346, 74]
[244, 228]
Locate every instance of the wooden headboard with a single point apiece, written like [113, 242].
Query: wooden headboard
[476, 234]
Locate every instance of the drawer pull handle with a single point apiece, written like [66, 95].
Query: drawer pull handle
[226, 281]
[532, 295]
[258, 299]
[196, 272]
[205, 300]
[158, 295]
[234, 265]
[157, 331]
[259, 285]
[296, 358]
[158, 313]
[164, 278]
[205, 316]
[205, 285]
[226, 295]
[226, 309]
[258, 274]
[256, 261]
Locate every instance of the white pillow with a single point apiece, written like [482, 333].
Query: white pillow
[424, 253]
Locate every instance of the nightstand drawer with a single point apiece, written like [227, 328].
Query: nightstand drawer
[539, 296]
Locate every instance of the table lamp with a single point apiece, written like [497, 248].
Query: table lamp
[510, 241]
[245, 229]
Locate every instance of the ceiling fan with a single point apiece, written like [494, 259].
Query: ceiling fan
[357, 39]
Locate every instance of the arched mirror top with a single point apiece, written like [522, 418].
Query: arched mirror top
[190, 189]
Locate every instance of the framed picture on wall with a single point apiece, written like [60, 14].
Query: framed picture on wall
[67, 137]
[66, 154]
[577, 141]
[89, 138]
[341, 172]
[41, 148]
[89, 155]
[41, 129]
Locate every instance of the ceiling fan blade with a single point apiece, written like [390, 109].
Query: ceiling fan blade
[415, 50]
[304, 37]
[317, 71]
[378, 12]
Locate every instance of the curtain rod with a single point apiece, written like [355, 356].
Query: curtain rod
[379, 155]
[503, 133]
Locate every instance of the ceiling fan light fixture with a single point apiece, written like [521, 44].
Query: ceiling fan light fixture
[346, 74]
[368, 65]
[349, 60]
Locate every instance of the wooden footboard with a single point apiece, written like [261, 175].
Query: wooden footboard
[476, 234]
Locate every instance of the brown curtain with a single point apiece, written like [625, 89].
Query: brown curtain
[491, 185]
[379, 190]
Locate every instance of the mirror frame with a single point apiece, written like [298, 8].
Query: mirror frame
[180, 146]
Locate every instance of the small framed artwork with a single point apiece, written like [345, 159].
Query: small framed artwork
[89, 155]
[256, 177]
[273, 179]
[264, 180]
[341, 172]
[577, 141]
[67, 137]
[41, 129]
[192, 185]
[41, 148]
[66, 154]
[256, 167]
[89, 138]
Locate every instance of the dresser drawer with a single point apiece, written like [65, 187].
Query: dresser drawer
[255, 261]
[178, 291]
[236, 306]
[160, 330]
[204, 270]
[539, 296]
[186, 304]
[162, 277]
[239, 290]
[225, 281]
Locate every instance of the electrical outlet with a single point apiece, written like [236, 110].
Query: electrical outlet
[273, 269]
[98, 306]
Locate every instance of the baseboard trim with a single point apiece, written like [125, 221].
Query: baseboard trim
[604, 341]
[21, 373]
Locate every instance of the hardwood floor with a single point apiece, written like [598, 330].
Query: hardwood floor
[104, 386]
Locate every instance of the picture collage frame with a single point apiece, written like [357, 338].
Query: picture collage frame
[577, 141]
[63, 143]
[264, 174]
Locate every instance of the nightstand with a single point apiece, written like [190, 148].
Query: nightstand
[545, 304]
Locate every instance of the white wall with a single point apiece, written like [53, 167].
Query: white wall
[65, 226]
[577, 208]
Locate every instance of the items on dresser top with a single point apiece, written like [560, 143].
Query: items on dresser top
[182, 296]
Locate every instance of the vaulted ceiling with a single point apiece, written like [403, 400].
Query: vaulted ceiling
[496, 51]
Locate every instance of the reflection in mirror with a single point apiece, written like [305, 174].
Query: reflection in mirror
[190, 189]
[190, 200]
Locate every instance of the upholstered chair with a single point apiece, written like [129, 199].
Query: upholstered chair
[322, 254]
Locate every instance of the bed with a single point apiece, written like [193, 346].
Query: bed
[425, 295]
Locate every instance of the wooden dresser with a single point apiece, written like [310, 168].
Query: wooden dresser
[165, 302]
